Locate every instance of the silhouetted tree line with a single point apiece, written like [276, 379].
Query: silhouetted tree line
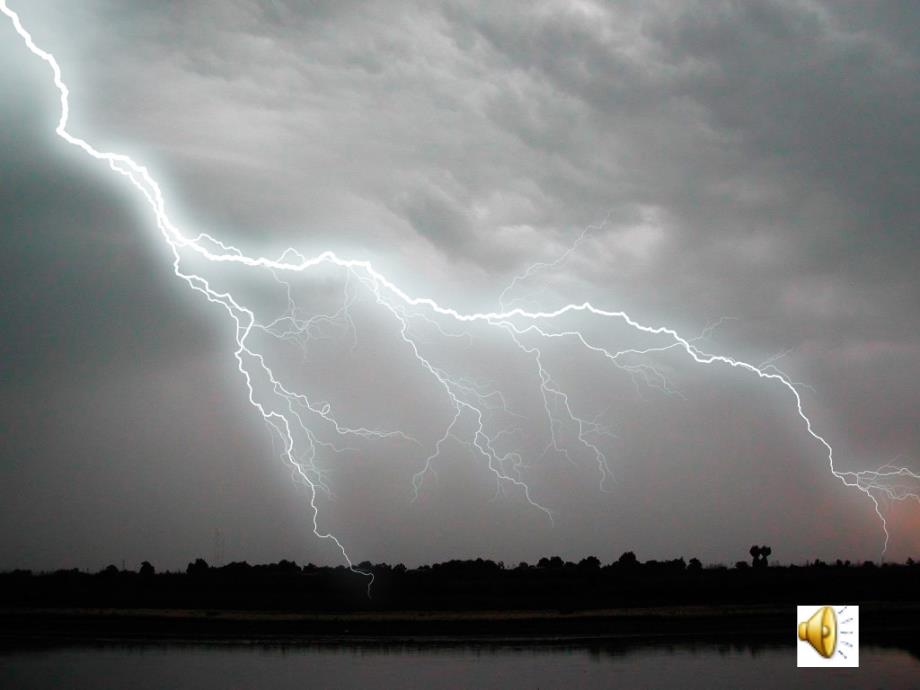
[552, 584]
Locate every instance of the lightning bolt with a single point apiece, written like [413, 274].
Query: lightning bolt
[305, 425]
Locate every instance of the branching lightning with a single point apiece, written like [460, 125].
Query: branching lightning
[305, 425]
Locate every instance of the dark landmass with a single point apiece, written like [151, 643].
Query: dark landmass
[457, 600]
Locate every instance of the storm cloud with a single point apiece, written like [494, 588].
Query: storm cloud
[755, 160]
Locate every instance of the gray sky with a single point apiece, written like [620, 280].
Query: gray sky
[753, 160]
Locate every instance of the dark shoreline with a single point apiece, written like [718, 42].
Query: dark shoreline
[882, 623]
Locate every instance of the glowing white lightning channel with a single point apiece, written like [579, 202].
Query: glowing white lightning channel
[469, 399]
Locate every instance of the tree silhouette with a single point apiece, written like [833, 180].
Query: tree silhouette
[199, 567]
[590, 563]
[456, 585]
[552, 562]
[628, 560]
[759, 556]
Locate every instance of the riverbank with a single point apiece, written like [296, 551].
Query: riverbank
[879, 620]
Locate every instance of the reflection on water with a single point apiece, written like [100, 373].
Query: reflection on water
[648, 664]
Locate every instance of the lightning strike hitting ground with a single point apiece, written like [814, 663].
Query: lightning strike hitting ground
[303, 424]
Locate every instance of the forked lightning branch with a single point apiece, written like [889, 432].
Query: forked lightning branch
[305, 425]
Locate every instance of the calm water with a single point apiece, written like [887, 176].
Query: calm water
[241, 667]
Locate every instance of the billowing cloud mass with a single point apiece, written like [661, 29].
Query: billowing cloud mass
[754, 160]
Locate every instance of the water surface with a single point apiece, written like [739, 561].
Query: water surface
[653, 664]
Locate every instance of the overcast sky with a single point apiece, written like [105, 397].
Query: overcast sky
[754, 160]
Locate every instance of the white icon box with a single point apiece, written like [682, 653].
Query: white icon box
[832, 638]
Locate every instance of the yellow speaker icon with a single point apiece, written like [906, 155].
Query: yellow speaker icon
[821, 631]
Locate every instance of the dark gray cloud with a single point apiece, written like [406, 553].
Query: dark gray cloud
[756, 160]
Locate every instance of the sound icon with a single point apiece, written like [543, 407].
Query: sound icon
[832, 632]
[821, 631]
